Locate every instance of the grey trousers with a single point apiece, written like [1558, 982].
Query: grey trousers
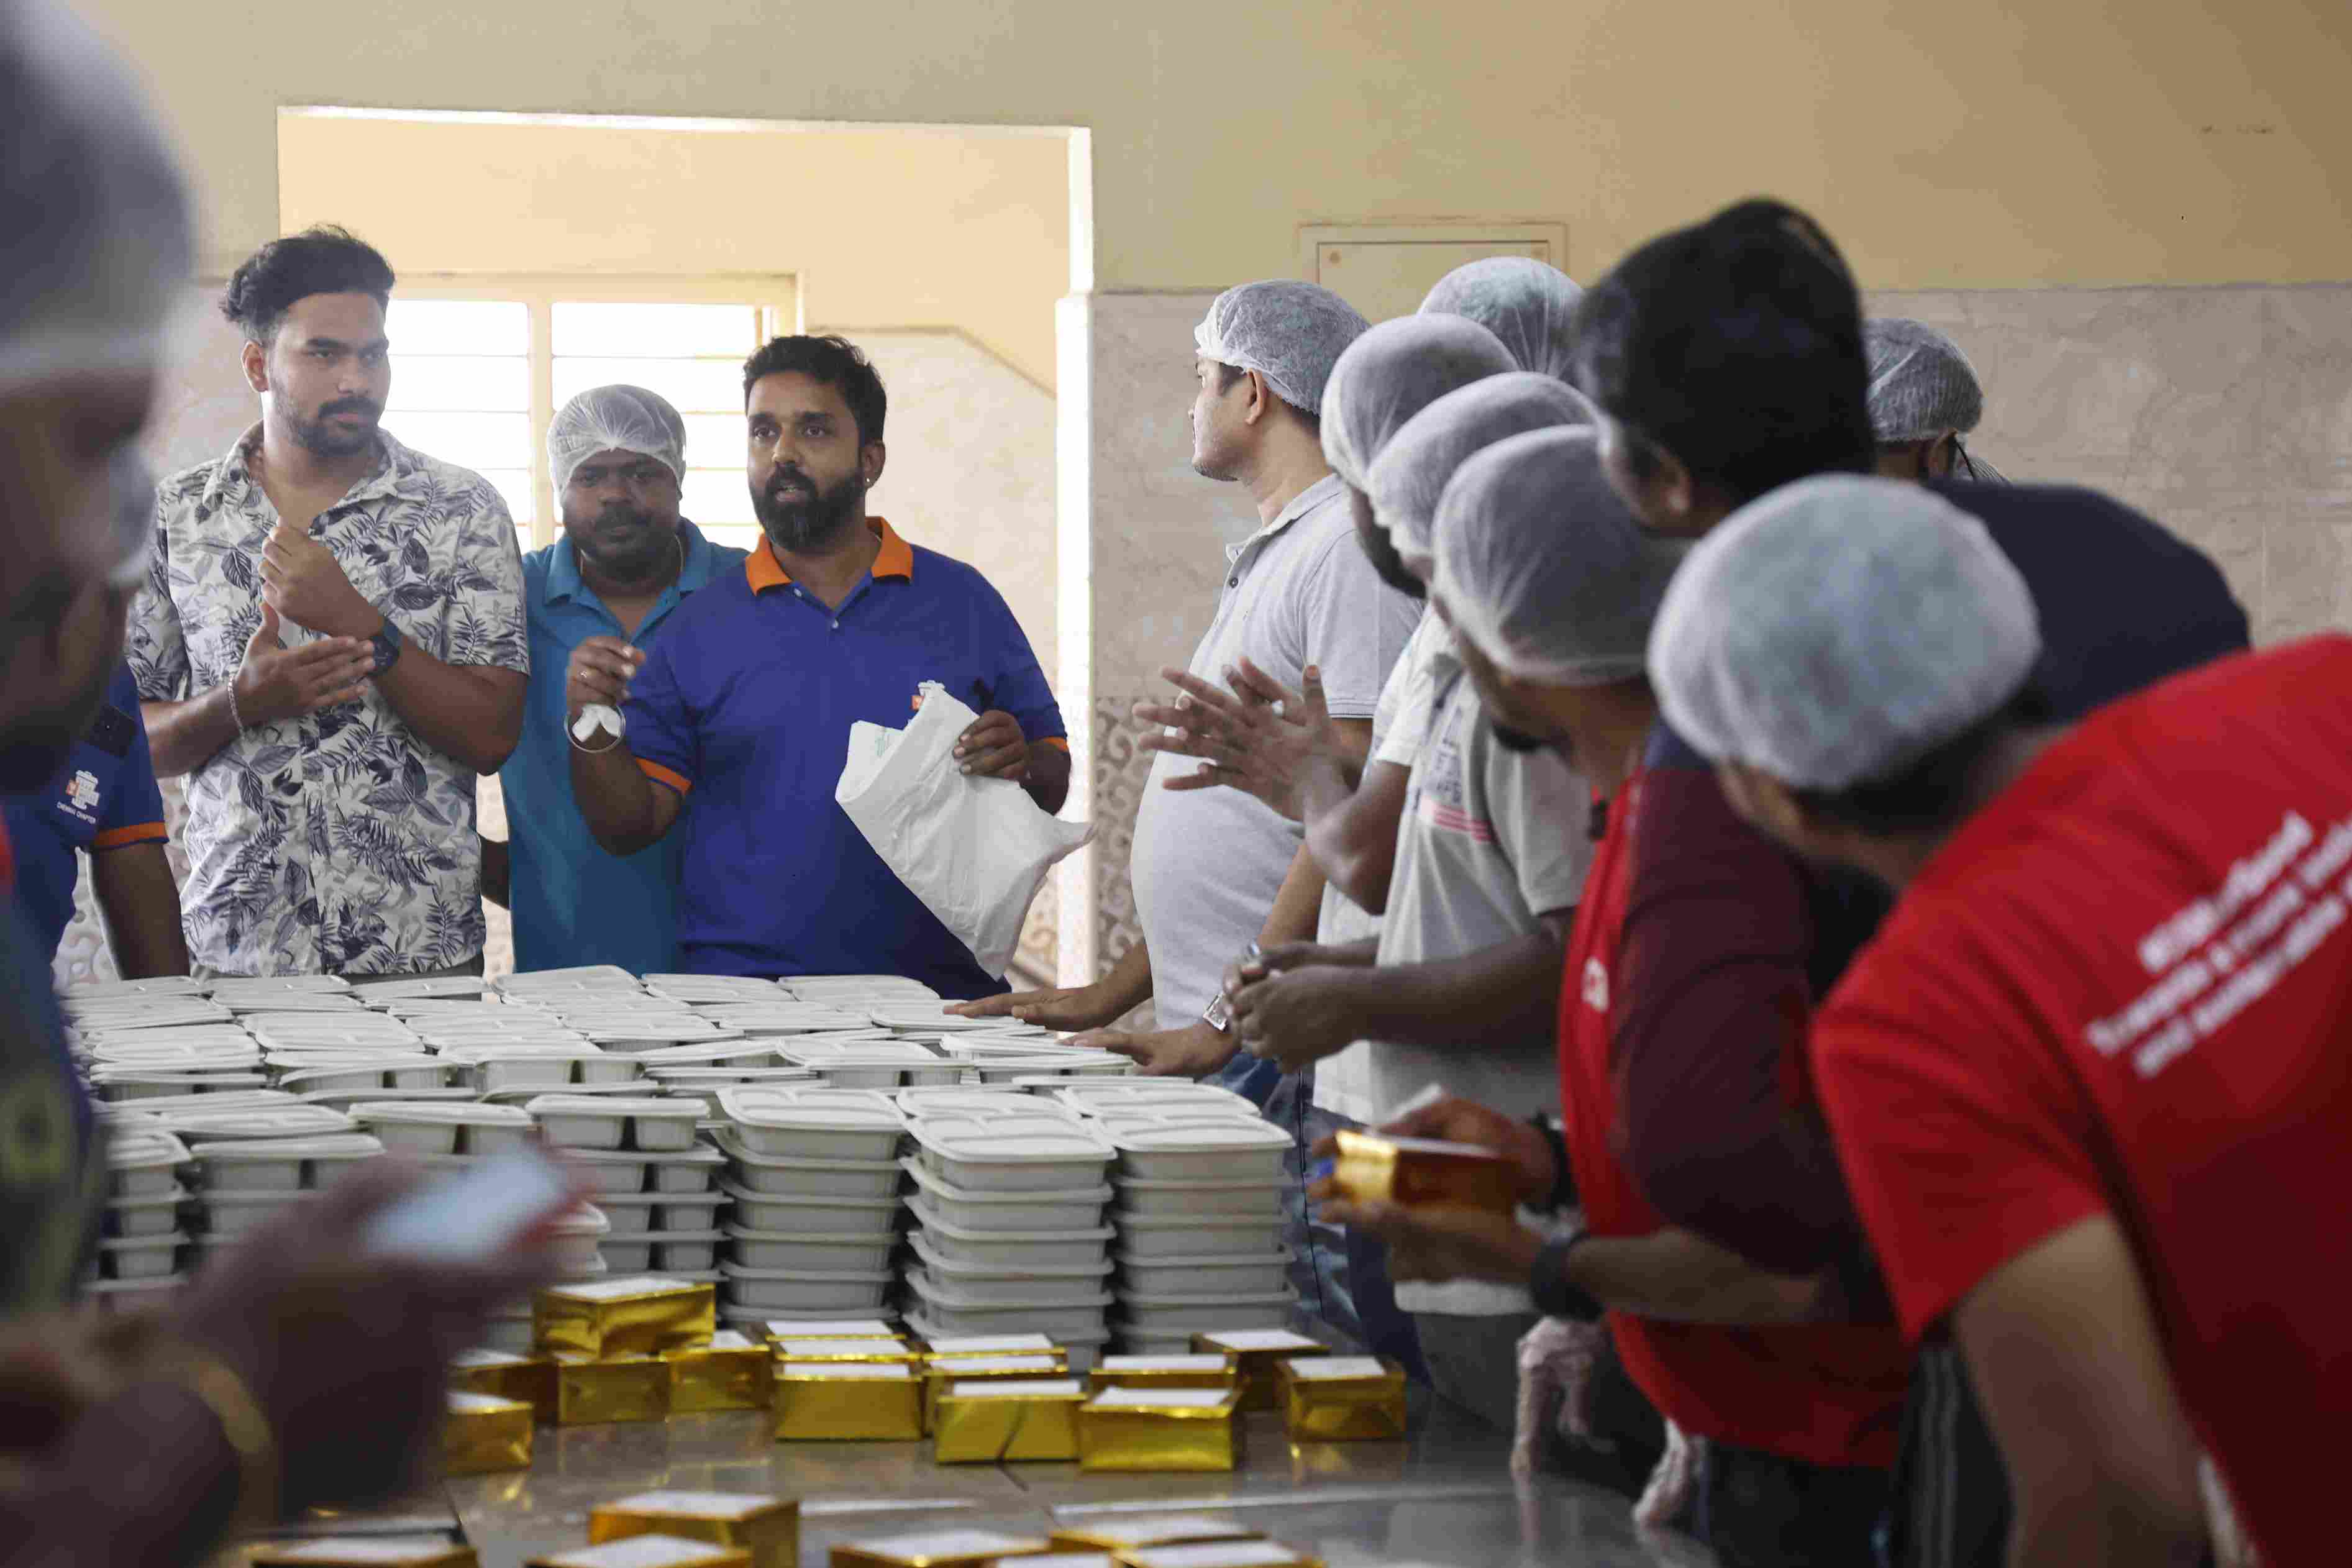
[1474, 1362]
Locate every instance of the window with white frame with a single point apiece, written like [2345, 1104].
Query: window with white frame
[478, 370]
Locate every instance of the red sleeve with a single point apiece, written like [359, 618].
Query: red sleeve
[1966, 1142]
[1719, 1130]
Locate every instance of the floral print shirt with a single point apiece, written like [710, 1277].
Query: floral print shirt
[339, 843]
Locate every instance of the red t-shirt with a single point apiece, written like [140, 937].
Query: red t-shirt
[1830, 1395]
[2125, 987]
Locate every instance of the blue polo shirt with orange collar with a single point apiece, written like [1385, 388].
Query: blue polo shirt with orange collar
[745, 704]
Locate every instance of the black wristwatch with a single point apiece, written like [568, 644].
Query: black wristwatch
[386, 647]
[1547, 1281]
[1562, 1197]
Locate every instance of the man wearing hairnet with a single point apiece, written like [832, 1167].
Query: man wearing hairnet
[1530, 306]
[2103, 1034]
[617, 455]
[1551, 589]
[145, 1437]
[1924, 397]
[1738, 940]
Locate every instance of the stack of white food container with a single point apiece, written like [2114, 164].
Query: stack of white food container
[878, 1064]
[654, 1175]
[814, 1177]
[1010, 1237]
[132, 1066]
[252, 1159]
[704, 990]
[434, 988]
[143, 1253]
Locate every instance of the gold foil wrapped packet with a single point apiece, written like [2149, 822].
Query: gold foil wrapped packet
[868, 1351]
[616, 1388]
[941, 1371]
[769, 1528]
[986, 1420]
[847, 1402]
[1129, 1534]
[779, 1328]
[934, 1548]
[1255, 1354]
[642, 1315]
[1342, 1398]
[647, 1552]
[529, 1378]
[1421, 1173]
[730, 1373]
[1208, 1369]
[1160, 1429]
[365, 1551]
[485, 1433]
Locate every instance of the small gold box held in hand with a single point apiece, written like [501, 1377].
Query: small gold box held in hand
[1420, 1172]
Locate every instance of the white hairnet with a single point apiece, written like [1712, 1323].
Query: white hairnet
[1525, 302]
[1413, 470]
[1838, 629]
[1921, 385]
[1393, 372]
[1291, 334]
[1541, 568]
[615, 418]
[96, 238]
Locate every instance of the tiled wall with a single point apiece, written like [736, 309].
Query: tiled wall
[2225, 413]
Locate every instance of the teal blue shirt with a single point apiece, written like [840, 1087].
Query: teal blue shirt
[572, 902]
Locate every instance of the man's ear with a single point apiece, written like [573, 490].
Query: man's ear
[1261, 399]
[255, 362]
[872, 457]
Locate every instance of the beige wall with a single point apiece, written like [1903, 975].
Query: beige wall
[2017, 143]
[882, 228]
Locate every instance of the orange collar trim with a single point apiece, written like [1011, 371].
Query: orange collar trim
[895, 559]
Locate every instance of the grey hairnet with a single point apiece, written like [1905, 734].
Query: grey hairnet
[615, 418]
[1393, 372]
[1541, 568]
[1838, 629]
[1525, 302]
[96, 240]
[1413, 471]
[1921, 385]
[1291, 334]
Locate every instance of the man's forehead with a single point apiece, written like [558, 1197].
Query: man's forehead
[351, 317]
[611, 457]
[789, 393]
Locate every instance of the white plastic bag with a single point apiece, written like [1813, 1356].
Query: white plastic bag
[974, 850]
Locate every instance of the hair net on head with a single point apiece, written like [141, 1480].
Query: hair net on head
[96, 238]
[615, 418]
[1525, 302]
[1838, 629]
[1541, 568]
[1393, 372]
[1413, 471]
[1921, 385]
[1291, 334]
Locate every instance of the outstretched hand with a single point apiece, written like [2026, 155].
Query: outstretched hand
[1259, 737]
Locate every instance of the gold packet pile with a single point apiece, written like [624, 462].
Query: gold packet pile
[1255, 1354]
[769, 1528]
[1212, 1369]
[485, 1433]
[637, 1316]
[1160, 1429]
[847, 1402]
[984, 1420]
[614, 1388]
[730, 1373]
[1341, 1399]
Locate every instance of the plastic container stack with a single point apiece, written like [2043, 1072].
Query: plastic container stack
[253, 1160]
[1009, 1236]
[143, 1253]
[813, 1178]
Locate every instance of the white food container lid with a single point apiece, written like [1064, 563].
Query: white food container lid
[1200, 1135]
[701, 1154]
[280, 983]
[823, 1276]
[551, 1049]
[472, 1114]
[611, 1105]
[931, 1221]
[1100, 1194]
[953, 1270]
[744, 1195]
[237, 1053]
[144, 1149]
[721, 1045]
[789, 1109]
[1032, 1141]
[292, 1120]
[189, 1078]
[578, 975]
[113, 990]
[324, 1146]
[932, 1289]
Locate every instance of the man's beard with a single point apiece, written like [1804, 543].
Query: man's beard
[802, 523]
[325, 440]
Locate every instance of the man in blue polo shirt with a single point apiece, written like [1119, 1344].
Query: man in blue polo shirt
[745, 704]
[104, 800]
[626, 560]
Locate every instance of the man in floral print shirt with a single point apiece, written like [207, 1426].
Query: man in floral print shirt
[331, 646]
